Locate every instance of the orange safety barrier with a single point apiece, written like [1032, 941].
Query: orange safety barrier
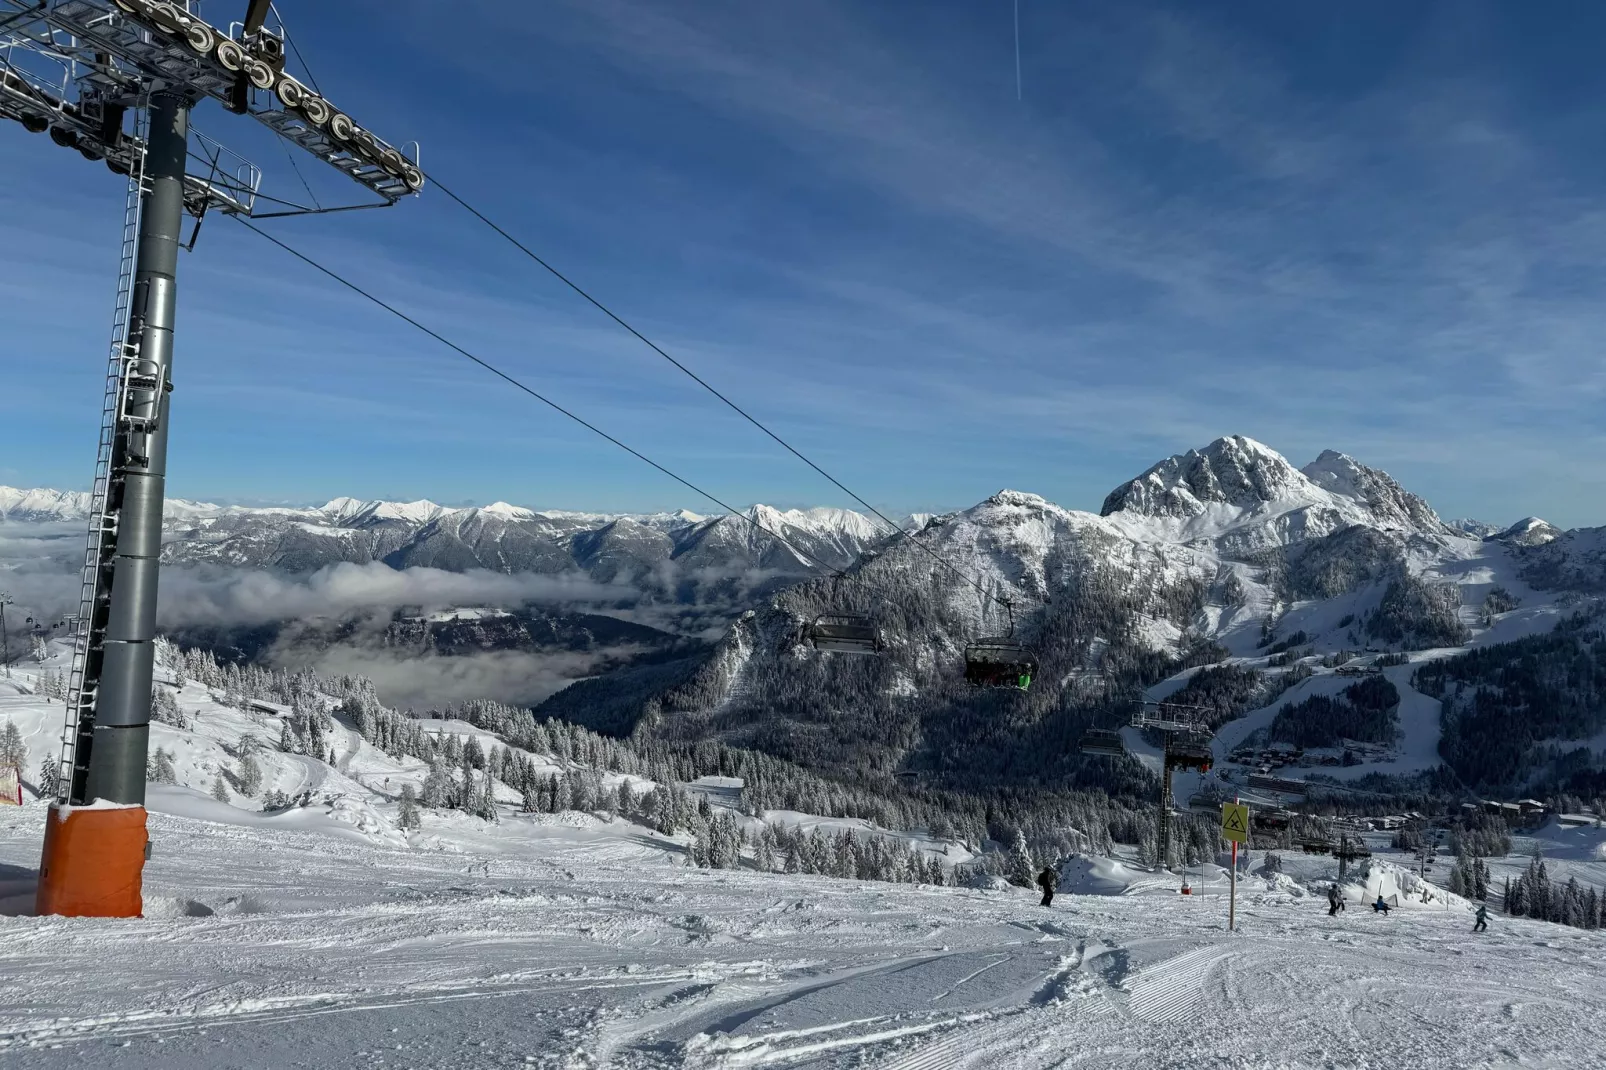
[92, 862]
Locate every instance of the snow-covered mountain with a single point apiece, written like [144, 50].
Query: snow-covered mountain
[1239, 495]
[500, 537]
[1211, 555]
[1529, 531]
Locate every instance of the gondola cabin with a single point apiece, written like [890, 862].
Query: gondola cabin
[845, 634]
[1000, 663]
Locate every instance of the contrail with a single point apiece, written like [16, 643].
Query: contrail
[1017, 50]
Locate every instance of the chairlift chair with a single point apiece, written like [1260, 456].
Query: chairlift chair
[1000, 661]
[1270, 819]
[1186, 754]
[845, 634]
[1101, 741]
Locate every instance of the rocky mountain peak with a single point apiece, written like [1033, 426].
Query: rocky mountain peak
[1341, 474]
[1234, 470]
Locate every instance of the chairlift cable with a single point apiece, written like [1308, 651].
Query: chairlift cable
[291, 42]
[650, 344]
[499, 373]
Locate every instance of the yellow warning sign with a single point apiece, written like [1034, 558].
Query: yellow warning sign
[1235, 822]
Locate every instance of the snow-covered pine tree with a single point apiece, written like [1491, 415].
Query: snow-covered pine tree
[439, 789]
[220, 790]
[1020, 869]
[159, 768]
[1457, 883]
[726, 842]
[764, 850]
[250, 776]
[487, 802]
[12, 750]
[49, 777]
[407, 818]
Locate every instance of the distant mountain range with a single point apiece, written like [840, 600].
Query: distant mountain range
[709, 566]
[500, 537]
[1225, 555]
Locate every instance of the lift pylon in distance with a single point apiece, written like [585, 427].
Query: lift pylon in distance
[117, 81]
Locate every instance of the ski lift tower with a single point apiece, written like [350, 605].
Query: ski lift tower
[1186, 747]
[117, 80]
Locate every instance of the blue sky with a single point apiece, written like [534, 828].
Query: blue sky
[1373, 227]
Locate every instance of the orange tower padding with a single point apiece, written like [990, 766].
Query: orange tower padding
[92, 862]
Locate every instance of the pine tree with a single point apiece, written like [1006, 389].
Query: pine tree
[1457, 884]
[220, 790]
[250, 774]
[439, 790]
[407, 818]
[1020, 869]
[12, 750]
[49, 777]
[764, 850]
[486, 807]
[159, 770]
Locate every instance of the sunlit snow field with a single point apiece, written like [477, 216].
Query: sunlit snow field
[321, 937]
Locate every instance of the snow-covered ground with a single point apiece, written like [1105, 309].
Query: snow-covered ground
[264, 947]
[321, 936]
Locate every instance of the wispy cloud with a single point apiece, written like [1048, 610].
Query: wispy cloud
[1376, 231]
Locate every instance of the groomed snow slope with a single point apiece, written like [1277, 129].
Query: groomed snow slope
[377, 957]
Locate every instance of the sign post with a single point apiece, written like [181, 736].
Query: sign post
[1235, 827]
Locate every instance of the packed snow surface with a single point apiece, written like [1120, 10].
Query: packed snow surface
[264, 948]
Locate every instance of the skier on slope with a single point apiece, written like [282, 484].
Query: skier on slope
[1380, 907]
[1335, 900]
[1048, 880]
[1483, 918]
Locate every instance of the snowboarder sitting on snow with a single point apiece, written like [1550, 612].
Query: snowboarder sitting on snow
[1048, 880]
[1380, 907]
[1335, 900]
[1483, 919]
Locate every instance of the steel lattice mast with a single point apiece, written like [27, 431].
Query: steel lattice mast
[117, 80]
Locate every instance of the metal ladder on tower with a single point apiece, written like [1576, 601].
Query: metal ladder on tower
[121, 369]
